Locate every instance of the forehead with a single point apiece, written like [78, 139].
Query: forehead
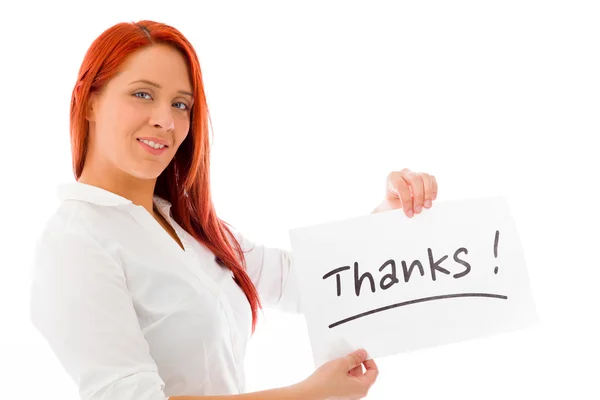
[158, 63]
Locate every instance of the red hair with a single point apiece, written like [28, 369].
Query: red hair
[185, 183]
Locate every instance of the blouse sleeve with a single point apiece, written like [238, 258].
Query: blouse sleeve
[272, 272]
[81, 305]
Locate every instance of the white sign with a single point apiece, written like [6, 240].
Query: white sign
[388, 283]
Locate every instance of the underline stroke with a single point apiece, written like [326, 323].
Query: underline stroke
[409, 302]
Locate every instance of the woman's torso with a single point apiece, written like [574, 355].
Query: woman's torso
[194, 317]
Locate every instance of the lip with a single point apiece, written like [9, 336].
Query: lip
[154, 139]
[152, 150]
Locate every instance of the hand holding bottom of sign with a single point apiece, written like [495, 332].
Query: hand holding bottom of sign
[409, 191]
[343, 378]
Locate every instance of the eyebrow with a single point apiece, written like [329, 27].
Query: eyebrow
[156, 85]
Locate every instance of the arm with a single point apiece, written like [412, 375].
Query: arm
[272, 272]
[294, 392]
[81, 305]
[340, 378]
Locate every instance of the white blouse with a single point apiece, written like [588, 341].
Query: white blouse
[131, 315]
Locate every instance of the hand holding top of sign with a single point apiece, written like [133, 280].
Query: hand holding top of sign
[409, 191]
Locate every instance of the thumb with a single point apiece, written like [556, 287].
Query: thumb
[356, 358]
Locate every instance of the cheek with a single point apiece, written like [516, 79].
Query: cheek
[120, 120]
[182, 128]
[128, 117]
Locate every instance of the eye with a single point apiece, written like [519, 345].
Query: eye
[143, 94]
[185, 106]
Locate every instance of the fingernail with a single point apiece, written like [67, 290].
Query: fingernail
[410, 213]
[418, 209]
[362, 354]
[427, 203]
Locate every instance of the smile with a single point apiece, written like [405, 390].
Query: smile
[152, 147]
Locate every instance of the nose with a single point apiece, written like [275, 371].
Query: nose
[162, 117]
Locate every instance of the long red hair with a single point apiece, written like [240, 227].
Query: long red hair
[185, 183]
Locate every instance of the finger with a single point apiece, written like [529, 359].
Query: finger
[434, 187]
[400, 188]
[371, 372]
[428, 186]
[356, 372]
[416, 185]
[356, 358]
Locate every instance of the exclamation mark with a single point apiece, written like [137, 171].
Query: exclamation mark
[496, 249]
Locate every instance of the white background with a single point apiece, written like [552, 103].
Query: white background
[312, 104]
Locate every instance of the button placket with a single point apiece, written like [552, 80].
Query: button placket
[143, 217]
[189, 256]
[222, 299]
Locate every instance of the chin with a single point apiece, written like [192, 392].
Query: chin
[146, 173]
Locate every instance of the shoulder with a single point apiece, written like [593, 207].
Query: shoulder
[73, 227]
[70, 217]
[244, 240]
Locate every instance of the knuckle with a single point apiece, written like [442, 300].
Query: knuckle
[395, 175]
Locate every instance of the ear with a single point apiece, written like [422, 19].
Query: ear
[91, 107]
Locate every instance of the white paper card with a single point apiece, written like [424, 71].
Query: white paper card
[388, 283]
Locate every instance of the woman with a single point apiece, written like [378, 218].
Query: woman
[139, 288]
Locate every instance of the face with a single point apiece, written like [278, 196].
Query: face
[142, 115]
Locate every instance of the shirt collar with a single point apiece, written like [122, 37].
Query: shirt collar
[102, 197]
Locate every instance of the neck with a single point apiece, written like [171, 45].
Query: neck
[139, 191]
